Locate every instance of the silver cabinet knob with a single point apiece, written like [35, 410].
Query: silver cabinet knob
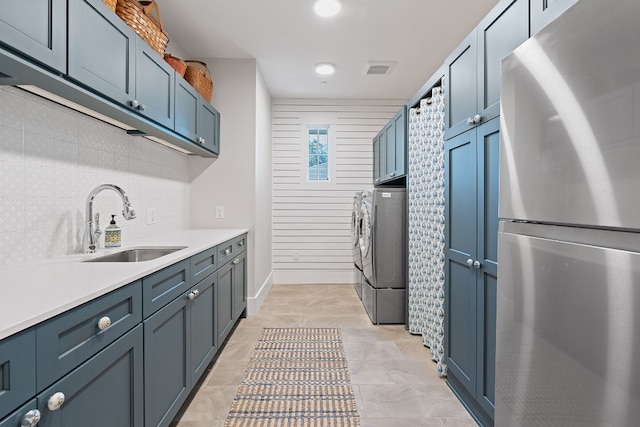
[477, 119]
[241, 243]
[191, 296]
[55, 401]
[134, 103]
[141, 107]
[477, 264]
[196, 292]
[469, 262]
[227, 251]
[377, 179]
[30, 419]
[236, 261]
[470, 121]
[104, 323]
[201, 140]
[392, 174]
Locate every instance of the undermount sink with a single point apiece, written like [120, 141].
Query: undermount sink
[137, 254]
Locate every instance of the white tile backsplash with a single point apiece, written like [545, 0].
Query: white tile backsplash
[51, 157]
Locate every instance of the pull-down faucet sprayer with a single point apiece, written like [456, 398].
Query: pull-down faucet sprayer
[92, 231]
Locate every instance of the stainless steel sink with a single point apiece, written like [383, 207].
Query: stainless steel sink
[137, 254]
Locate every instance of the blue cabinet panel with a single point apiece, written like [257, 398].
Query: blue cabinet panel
[158, 289]
[544, 11]
[16, 419]
[239, 285]
[72, 337]
[37, 29]
[105, 391]
[17, 370]
[154, 86]
[224, 307]
[209, 127]
[203, 326]
[226, 252]
[187, 107]
[204, 264]
[167, 342]
[460, 86]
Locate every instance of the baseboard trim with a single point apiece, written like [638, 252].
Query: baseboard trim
[312, 277]
[254, 303]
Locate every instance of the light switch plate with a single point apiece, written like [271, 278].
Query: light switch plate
[151, 216]
[219, 212]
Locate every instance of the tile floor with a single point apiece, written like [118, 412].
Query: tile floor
[394, 381]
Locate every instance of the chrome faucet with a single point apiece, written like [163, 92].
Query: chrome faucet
[92, 231]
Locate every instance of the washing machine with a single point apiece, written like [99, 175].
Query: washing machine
[355, 240]
[383, 250]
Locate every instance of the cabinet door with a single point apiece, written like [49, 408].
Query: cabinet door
[101, 50]
[239, 285]
[203, 326]
[544, 11]
[461, 86]
[389, 149]
[488, 148]
[36, 28]
[208, 127]
[17, 370]
[224, 311]
[167, 343]
[187, 106]
[400, 128]
[376, 160]
[460, 249]
[155, 86]
[105, 391]
[499, 33]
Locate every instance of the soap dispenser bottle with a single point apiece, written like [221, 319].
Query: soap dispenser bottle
[112, 234]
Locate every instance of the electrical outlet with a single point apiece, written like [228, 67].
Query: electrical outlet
[219, 212]
[296, 255]
[151, 216]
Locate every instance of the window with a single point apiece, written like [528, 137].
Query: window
[318, 149]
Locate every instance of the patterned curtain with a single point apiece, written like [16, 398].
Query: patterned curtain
[425, 190]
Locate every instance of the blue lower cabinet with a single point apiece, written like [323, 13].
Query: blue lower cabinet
[17, 371]
[203, 326]
[25, 416]
[105, 391]
[224, 306]
[167, 343]
[239, 288]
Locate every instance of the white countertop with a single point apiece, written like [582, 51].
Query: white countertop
[35, 292]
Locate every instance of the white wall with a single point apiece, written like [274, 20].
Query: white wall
[51, 157]
[236, 179]
[311, 220]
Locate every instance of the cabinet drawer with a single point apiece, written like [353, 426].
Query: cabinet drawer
[162, 287]
[203, 264]
[226, 251]
[105, 391]
[71, 338]
[240, 244]
[17, 371]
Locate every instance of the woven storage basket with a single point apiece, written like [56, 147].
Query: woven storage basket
[138, 15]
[198, 76]
[111, 4]
[177, 63]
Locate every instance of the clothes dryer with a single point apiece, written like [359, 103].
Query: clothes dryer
[355, 240]
[383, 249]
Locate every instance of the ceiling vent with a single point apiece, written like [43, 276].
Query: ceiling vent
[378, 68]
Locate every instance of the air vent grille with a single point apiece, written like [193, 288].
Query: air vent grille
[378, 68]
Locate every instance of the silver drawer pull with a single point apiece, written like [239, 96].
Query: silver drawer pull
[191, 296]
[55, 401]
[30, 419]
[241, 243]
[470, 262]
[236, 261]
[227, 251]
[104, 323]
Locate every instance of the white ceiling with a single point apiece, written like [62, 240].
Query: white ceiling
[287, 39]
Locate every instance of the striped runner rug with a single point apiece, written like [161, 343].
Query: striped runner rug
[296, 377]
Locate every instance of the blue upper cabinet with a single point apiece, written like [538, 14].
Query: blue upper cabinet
[390, 150]
[37, 29]
[545, 11]
[472, 77]
[154, 85]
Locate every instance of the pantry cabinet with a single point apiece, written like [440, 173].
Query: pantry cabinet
[471, 233]
[36, 28]
[472, 76]
[544, 11]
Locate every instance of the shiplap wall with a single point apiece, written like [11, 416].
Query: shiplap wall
[311, 220]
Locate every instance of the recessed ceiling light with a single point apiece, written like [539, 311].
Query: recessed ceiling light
[326, 8]
[325, 68]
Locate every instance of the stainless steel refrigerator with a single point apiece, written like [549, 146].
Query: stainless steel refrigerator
[568, 309]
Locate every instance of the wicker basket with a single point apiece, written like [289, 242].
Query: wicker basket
[138, 15]
[198, 76]
[177, 63]
[111, 4]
